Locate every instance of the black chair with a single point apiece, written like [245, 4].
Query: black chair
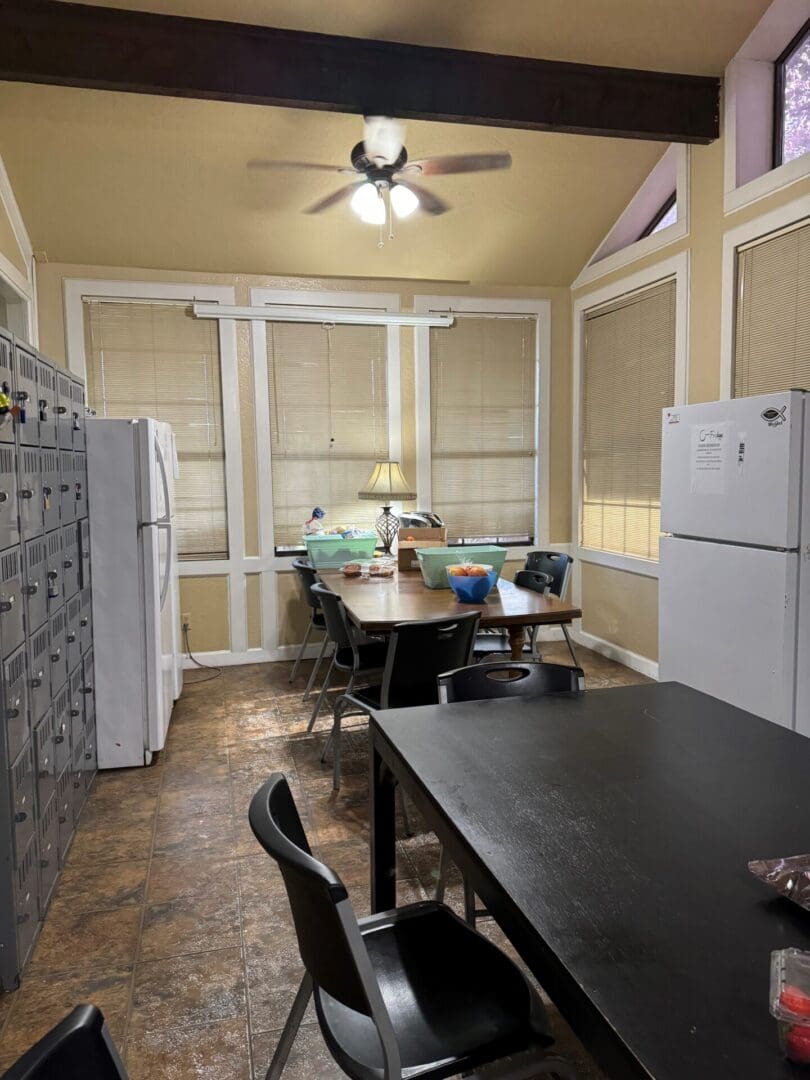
[307, 577]
[557, 565]
[417, 654]
[412, 992]
[492, 642]
[483, 682]
[355, 654]
[78, 1048]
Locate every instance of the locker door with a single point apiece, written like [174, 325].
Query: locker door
[27, 901]
[15, 703]
[64, 410]
[46, 389]
[73, 615]
[89, 690]
[27, 397]
[44, 760]
[9, 527]
[12, 632]
[39, 674]
[48, 853]
[86, 621]
[61, 729]
[70, 559]
[49, 461]
[64, 796]
[83, 530]
[78, 414]
[80, 472]
[76, 705]
[30, 493]
[6, 384]
[58, 650]
[22, 798]
[67, 487]
[36, 583]
[56, 592]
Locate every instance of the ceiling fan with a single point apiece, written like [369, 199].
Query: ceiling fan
[384, 177]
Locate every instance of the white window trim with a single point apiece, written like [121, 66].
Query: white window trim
[541, 310]
[268, 564]
[677, 267]
[638, 215]
[792, 213]
[18, 288]
[749, 108]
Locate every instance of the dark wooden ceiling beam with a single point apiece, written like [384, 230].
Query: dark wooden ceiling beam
[43, 41]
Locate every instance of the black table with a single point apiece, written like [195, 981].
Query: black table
[609, 834]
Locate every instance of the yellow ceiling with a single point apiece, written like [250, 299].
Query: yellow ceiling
[694, 36]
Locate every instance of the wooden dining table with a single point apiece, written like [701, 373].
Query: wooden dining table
[376, 604]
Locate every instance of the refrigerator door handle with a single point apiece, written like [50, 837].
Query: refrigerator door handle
[167, 516]
[167, 573]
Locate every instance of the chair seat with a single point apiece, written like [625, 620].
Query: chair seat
[455, 1000]
[372, 656]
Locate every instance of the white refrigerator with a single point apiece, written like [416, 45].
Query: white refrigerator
[734, 586]
[131, 466]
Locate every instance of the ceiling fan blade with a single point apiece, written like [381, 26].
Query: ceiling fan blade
[428, 202]
[310, 165]
[459, 163]
[332, 200]
[383, 138]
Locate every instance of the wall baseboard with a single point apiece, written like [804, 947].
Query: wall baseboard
[630, 659]
[228, 659]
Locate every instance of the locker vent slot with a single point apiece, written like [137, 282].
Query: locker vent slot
[9, 564]
[16, 667]
[6, 460]
[40, 641]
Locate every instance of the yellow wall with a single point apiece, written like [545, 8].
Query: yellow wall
[619, 607]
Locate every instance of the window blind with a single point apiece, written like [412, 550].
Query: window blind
[482, 420]
[629, 376]
[772, 333]
[153, 358]
[328, 422]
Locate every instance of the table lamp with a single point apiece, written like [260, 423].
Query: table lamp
[385, 485]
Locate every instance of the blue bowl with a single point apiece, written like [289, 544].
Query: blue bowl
[473, 590]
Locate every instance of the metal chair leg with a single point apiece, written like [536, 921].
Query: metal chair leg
[299, 1007]
[314, 673]
[336, 752]
[469, 903]
[569, 644]
[321, 696]
[301, 652]
[444, 873]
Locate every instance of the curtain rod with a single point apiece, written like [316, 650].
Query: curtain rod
[345, 316]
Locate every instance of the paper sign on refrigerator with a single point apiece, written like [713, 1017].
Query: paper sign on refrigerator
[710, 450]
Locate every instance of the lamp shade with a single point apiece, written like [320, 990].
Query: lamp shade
[386, 483]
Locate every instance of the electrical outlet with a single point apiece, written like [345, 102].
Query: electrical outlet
[186, 620]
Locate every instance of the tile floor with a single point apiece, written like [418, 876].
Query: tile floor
[168, 916]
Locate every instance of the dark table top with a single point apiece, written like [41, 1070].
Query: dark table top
[615, 828]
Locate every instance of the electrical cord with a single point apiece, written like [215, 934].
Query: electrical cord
[217, 671]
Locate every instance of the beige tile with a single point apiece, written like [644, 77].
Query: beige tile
[192, 924]
[100, 839]
[309, 1059]
[73, 941]
[98, 886]
[219, 1051]
[188, 990]
[171, 876]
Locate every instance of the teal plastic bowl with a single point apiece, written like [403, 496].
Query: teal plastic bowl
[473, 590]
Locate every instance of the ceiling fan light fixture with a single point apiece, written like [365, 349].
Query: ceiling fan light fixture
[368, 204]
[403, 200]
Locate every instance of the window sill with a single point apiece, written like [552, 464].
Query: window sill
[766, 184]
[630, 564]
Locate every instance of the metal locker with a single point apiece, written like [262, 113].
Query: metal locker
[67, 487]
[35, 585]
[83, 530]
[22, 799]
[15, 703]
[89, 689]
[64, 809]
[61, 728]
[25, 394]
[12, 628]
[79, 413]
[44, 760]
[90, 757]
[39, 674]
[64, 410]
[30, 493]
[70, 559]
[6, 384]
[56, 593]
[26, 901]
[79, 788]
[9, 526]
[86, 621]
[46, 395]
[80, 472]
[58, 650]
[73, 616]
[49, 465]
[48, 852]
[76, 705]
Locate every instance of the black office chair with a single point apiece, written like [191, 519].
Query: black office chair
[417, 654]
[355, 654]
[412, 992]
[78, 1048]
[492, 642]
[481, 682]
[557, 565]
[307, 577]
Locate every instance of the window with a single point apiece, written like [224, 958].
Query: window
[328, 422]
[483, 430]
[772, 323]
[628, 377]
[666, 216]
[792, 99]
[153, 358]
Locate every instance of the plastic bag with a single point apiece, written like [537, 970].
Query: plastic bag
[790, 877]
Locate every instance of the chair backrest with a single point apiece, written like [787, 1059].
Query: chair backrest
[314, 892]
[337, 622]
[554, 563]
[417, 654]
[512, 678]
[307, 577]
[535, 580]
[78, 1048]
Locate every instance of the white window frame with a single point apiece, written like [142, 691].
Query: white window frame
[671, 171]
[677, 267]
[461, 305]
[18, 290]
[268, 564]
[791, 215]
[749, 173]
[236, 566]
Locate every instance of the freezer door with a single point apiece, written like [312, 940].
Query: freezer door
[731, 470]
[727, 623]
